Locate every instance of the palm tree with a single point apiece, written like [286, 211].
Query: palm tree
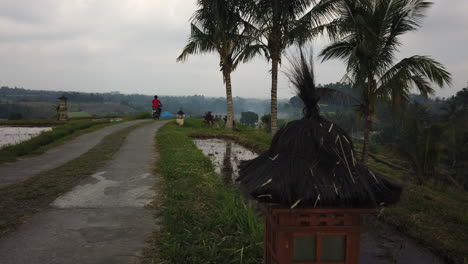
[422, 143]
[217, 26]
[367, 37]
[280, 23]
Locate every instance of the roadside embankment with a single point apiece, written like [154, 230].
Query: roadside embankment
[204, 220]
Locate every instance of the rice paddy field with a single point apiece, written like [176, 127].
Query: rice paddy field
[16, 135]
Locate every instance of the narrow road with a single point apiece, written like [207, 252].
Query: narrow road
[102, 220]
[21, 170]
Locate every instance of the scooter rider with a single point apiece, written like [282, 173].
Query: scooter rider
[157, 105]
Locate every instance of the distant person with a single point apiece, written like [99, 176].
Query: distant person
[180, 114]
[180, 117]
[156, 102]
[156, 107]
[209, 118]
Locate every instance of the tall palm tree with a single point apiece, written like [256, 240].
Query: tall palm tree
[218, 26]
[280, 23]
[367, 37]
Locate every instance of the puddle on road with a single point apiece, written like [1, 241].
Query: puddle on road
[225, 155]
[380, 244]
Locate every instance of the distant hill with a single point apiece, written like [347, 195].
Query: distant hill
[29, 104]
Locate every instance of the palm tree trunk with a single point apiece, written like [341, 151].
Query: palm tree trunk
[230, 111]
[368, 113]
[274, 98]
[367, 132]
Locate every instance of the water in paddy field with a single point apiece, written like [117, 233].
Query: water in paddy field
[15, 135]
[225, 155]
[380, 243]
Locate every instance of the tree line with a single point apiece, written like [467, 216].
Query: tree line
[364, 35]
[28, 104]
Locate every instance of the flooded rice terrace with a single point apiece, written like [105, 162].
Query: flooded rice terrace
[15, 135]
[225, 155]
[380, 243]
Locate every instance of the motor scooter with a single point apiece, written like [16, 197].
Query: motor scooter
[156, 113]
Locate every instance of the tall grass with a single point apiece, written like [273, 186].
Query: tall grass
[438, 219]
[204, 221]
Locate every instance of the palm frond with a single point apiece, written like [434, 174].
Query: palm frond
[333, 94]
[248, 53]
[419, 66]
[340, 50]
[199, 42]
[314, 22]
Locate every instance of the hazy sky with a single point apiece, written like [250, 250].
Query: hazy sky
[130, 46]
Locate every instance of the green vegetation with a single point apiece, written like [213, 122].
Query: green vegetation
[368, 38]
[141, 115]
[49, 139]
[34, 104]
[78, 114]
[20, 201]
[204, 221]
[435, 215]
[62, 132]
[266, 121]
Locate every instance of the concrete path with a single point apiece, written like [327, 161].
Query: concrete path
[102, 220]
[21, 170]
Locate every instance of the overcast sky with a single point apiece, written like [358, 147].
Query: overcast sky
[131, 46]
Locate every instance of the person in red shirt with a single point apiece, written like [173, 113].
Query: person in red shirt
[156, 102]
[157, 105]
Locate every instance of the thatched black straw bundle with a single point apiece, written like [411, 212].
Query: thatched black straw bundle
[311, 162]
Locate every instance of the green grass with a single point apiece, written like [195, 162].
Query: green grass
[141, 115]
[32, 123]
[18, 202]
[204, 221]
[436, 217]
[78, 114]
[49, 139]
[433, 214]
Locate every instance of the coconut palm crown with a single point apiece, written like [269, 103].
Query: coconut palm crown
[367, 38]
[281, 23]
[218, 26]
